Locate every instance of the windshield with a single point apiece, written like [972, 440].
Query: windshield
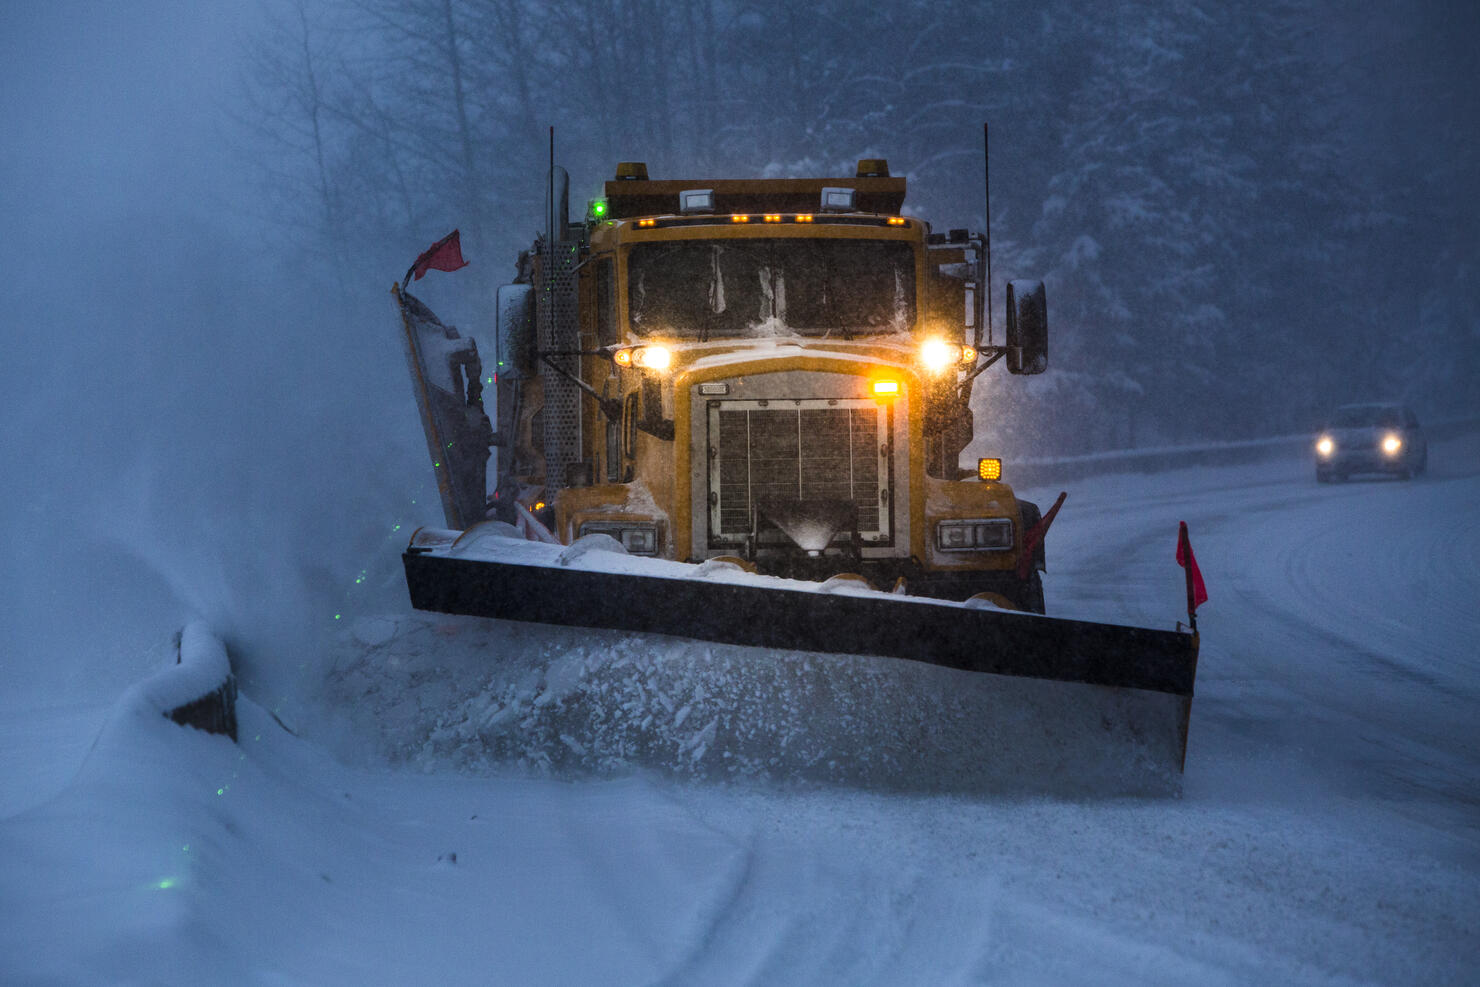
[699, 289]
[1365, 415]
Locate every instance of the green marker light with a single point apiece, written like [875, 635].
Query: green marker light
[166, 884]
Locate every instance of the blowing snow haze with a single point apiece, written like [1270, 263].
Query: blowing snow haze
[204, 395]
[182, 383]
[1244, 214]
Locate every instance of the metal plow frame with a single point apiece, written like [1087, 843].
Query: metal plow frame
[975, 640]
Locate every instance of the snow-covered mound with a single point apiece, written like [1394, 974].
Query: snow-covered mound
[484, 695]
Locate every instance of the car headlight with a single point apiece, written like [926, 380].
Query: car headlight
[974, 534]
[1325, 445]
[1391, 443]
[637, 537]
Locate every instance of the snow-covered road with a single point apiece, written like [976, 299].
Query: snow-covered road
[1343, 633]
[1328, 831]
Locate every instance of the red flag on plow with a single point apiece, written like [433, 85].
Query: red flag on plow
[444, 255]
[1197, 592]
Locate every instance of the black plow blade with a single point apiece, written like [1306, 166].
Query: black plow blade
[976, 640]
[1112, 672]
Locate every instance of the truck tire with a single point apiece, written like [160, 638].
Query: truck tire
[1030, 593]
[1032, 515]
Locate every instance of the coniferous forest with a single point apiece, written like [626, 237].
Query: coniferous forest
[1243, 213]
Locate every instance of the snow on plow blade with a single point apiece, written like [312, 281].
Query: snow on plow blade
[447, 377]
[486, 573]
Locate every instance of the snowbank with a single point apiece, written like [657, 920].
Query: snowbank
[199, 690]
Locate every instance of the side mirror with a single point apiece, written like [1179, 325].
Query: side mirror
[1027, 327]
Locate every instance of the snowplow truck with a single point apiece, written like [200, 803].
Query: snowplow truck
[756, 394]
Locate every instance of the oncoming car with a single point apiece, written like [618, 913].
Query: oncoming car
[1371, 438]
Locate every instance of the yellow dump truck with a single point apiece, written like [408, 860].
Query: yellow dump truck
[771, 377]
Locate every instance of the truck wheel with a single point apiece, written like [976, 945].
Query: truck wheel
[1031, 515]
[1030, 593]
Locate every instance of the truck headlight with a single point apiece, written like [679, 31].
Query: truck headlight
[974, 534]
[637, 537]
[657, 358]
[1325, 445]
[938, 355]
[1391, 443]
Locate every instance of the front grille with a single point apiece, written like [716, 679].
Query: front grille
[797, 450]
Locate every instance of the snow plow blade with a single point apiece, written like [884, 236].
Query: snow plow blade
[457, 573]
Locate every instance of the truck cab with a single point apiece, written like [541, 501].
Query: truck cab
[776, 372]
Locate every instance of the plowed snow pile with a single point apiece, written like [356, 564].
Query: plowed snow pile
[483, 695]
